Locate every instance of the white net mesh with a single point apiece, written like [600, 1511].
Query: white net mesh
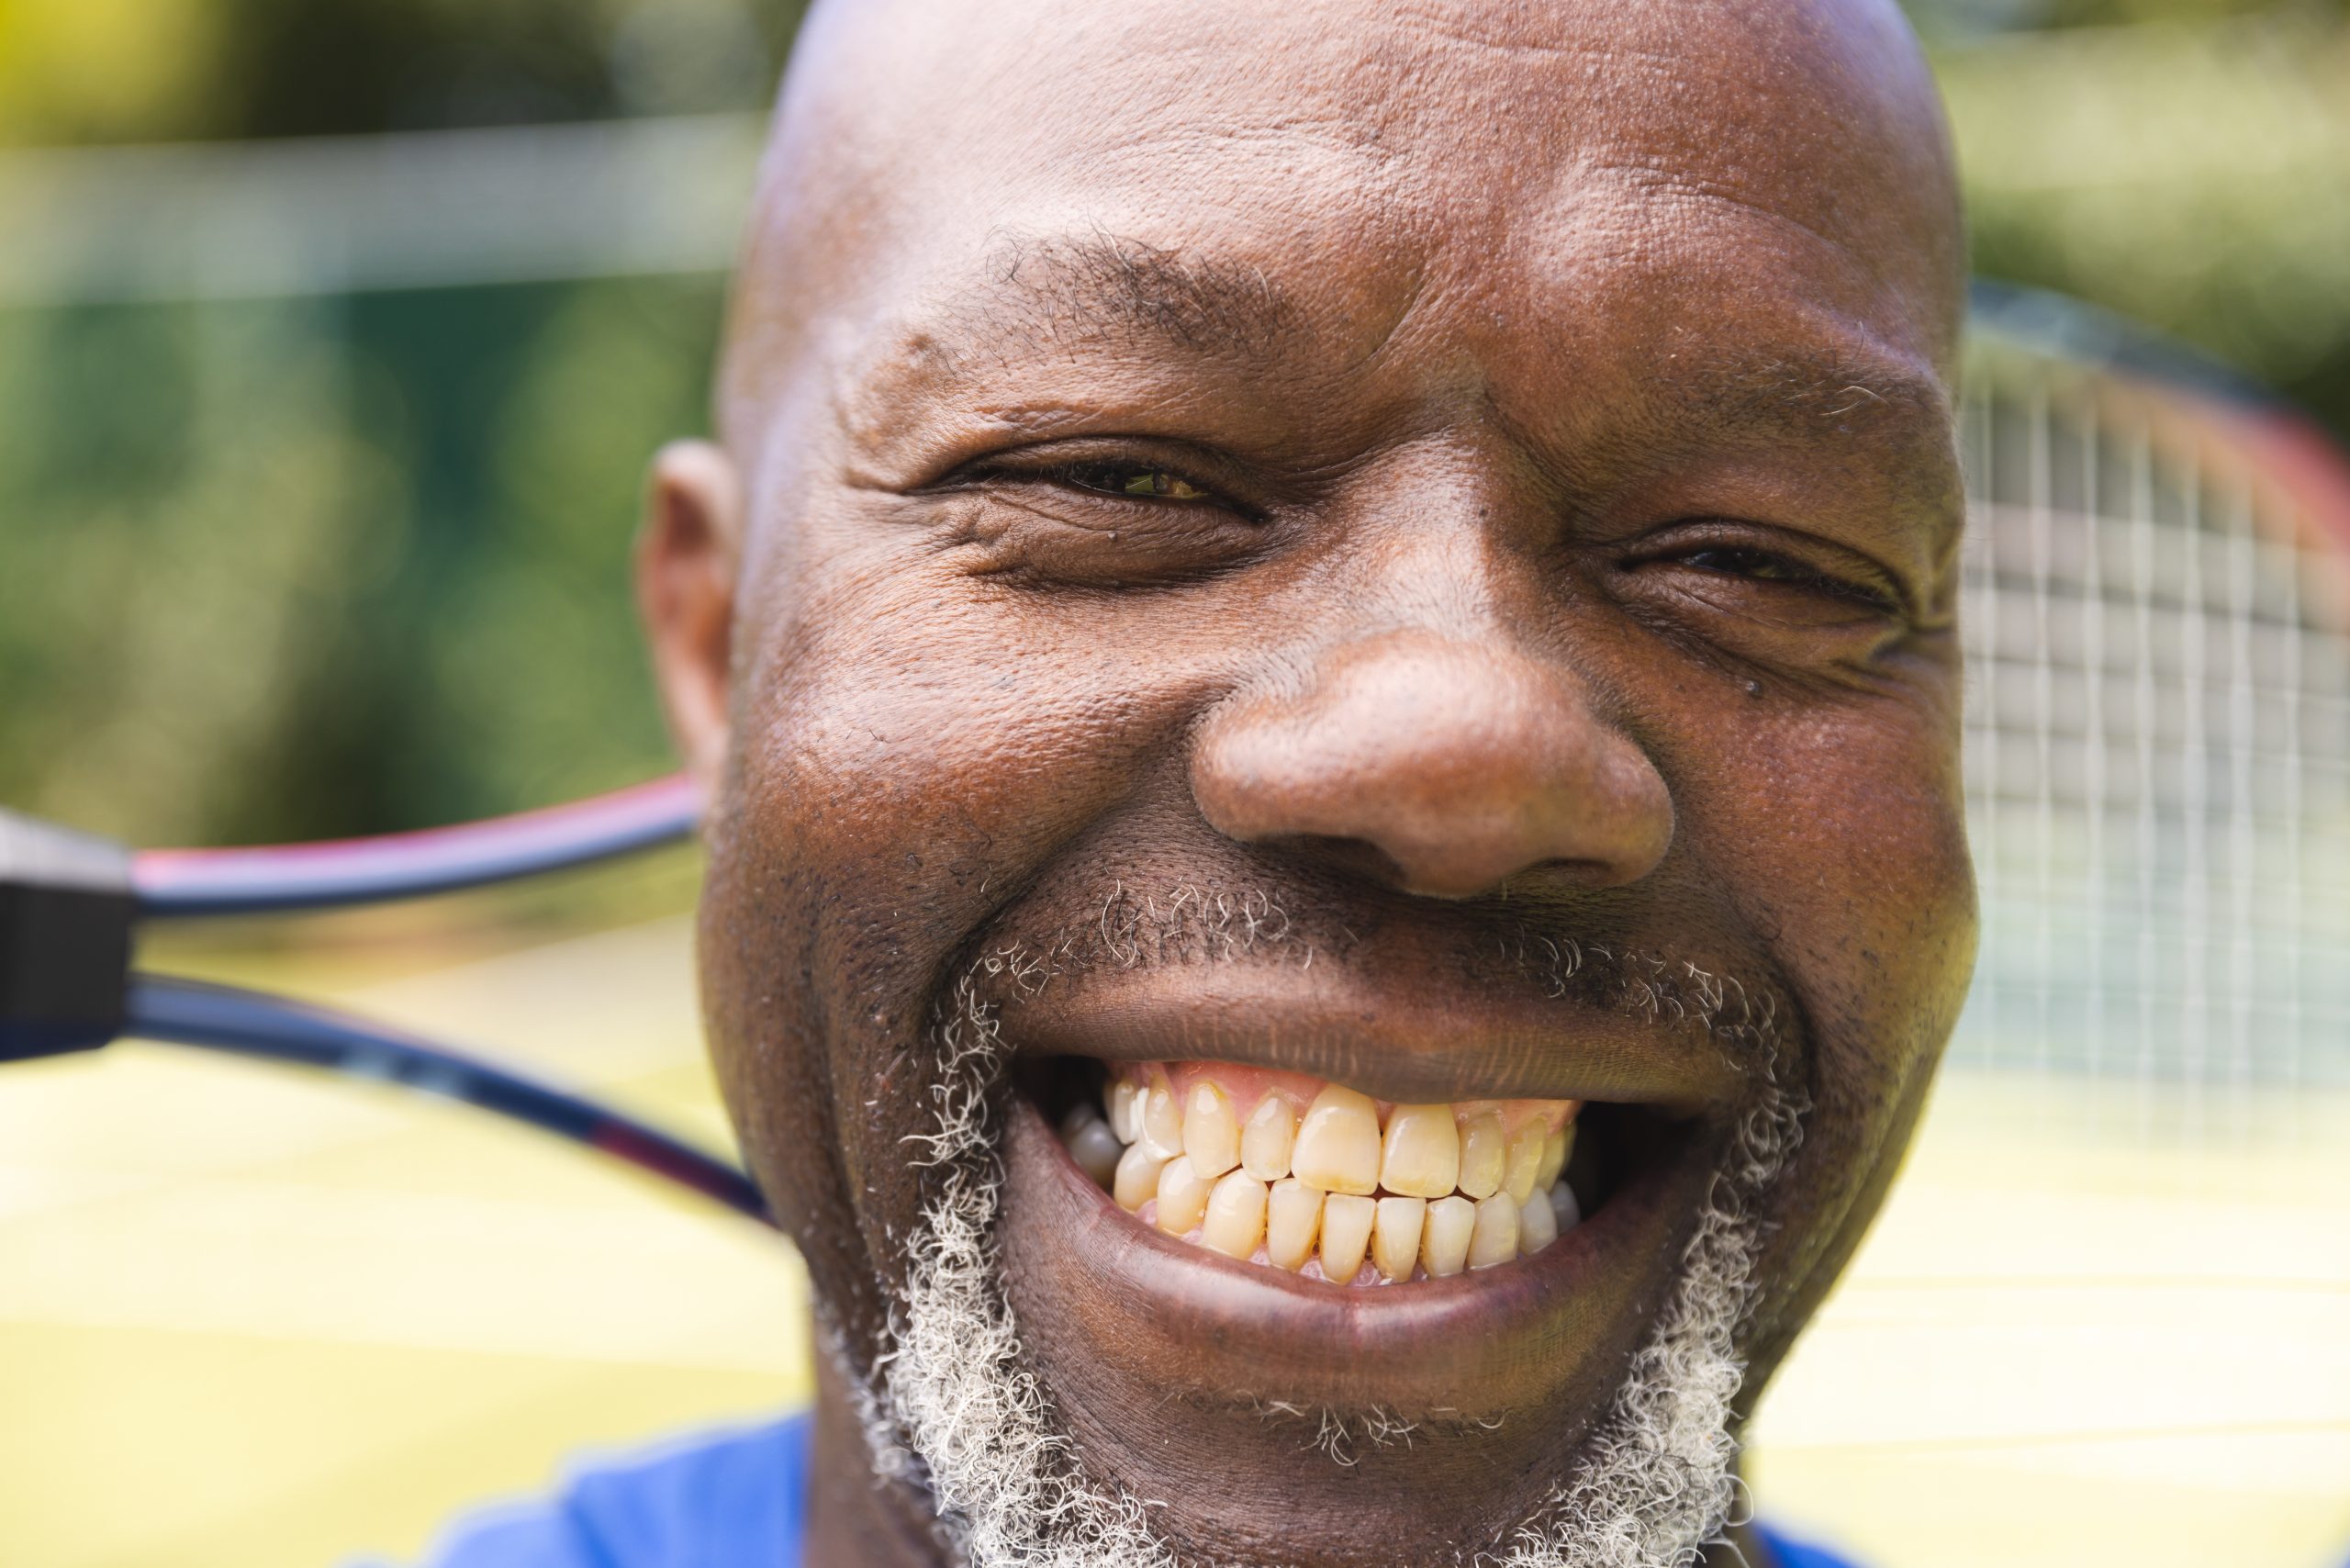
[2157, 741]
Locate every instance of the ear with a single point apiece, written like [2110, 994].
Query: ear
[687, 561]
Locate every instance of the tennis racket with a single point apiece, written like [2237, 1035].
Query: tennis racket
[2157, 622]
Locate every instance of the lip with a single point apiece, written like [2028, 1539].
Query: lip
[1398, 1047]
[1477, 1345]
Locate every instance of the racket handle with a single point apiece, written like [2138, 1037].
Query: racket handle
[66, 909]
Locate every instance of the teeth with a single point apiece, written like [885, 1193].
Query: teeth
[1395, 1236]
[1293, 1221]
[1162, 1123]
[1421, 1156]
[1494, 1239]
[1425, 1190]
[1266, 1142]
[1555, 1149]
[1236, 1217]
[1484, 1155]
[1182, 1197]
[1538, 1225]
[1346, 1232]
[1524, 1163]
[1338, 1144]
[1444, 1236]
[1097, 1151]
[1210, 1131]
[1136, 1181]
[1563, 1204]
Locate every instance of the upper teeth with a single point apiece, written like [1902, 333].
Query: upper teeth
[1230, 1158]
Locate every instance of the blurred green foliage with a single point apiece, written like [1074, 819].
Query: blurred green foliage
[306, 567]
[2191, 170]
[74, 70]
[278, 567]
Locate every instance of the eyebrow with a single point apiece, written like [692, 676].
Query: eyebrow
[1856, 397]
[1086, 287]
[1083, 288]
[1809, 387]
[1089, 289]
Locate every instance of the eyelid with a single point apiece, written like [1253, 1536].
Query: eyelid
[1866, 580]
[1050, 463]
[1882, 598]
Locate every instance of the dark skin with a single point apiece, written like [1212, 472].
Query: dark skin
[1451, 470]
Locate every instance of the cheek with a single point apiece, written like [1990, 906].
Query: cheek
[1844, 842]
[913, 756]
[935, 745]
[1841, 832]
[930, 731]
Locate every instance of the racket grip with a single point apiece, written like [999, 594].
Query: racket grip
[66, 910]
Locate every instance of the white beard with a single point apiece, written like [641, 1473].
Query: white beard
[953, 1408]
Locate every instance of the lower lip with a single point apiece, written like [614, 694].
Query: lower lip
[1517, 1331]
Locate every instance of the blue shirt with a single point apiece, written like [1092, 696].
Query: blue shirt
[727, 1499]
[732, 1499]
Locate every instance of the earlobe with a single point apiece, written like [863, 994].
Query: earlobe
[687, 560]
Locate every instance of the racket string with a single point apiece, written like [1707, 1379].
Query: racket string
[2158, 745]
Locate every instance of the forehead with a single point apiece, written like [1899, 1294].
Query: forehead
[1731, 81]
[1679, 193]
[1341, 121]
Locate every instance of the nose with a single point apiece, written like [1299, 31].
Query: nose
[1460, 764]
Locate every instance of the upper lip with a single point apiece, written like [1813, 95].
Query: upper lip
[1405, 1046]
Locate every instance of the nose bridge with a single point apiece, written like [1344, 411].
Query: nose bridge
[1438, 556]
[1438, 574]
[1432, 733]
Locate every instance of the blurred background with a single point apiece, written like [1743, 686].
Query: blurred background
[334, 338]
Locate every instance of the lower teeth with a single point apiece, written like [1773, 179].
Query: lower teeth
[1347, 1190]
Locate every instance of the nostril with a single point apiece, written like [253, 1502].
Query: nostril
[1450, 879]
[1476, 859]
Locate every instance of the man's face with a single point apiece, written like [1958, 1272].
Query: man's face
[1408, 549]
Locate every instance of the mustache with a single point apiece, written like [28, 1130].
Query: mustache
[1131, 925]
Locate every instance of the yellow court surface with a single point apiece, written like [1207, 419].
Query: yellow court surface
[251, 1318]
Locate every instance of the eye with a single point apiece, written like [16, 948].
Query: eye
[1096, 518]
[1137, 479]
[1766, 566]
